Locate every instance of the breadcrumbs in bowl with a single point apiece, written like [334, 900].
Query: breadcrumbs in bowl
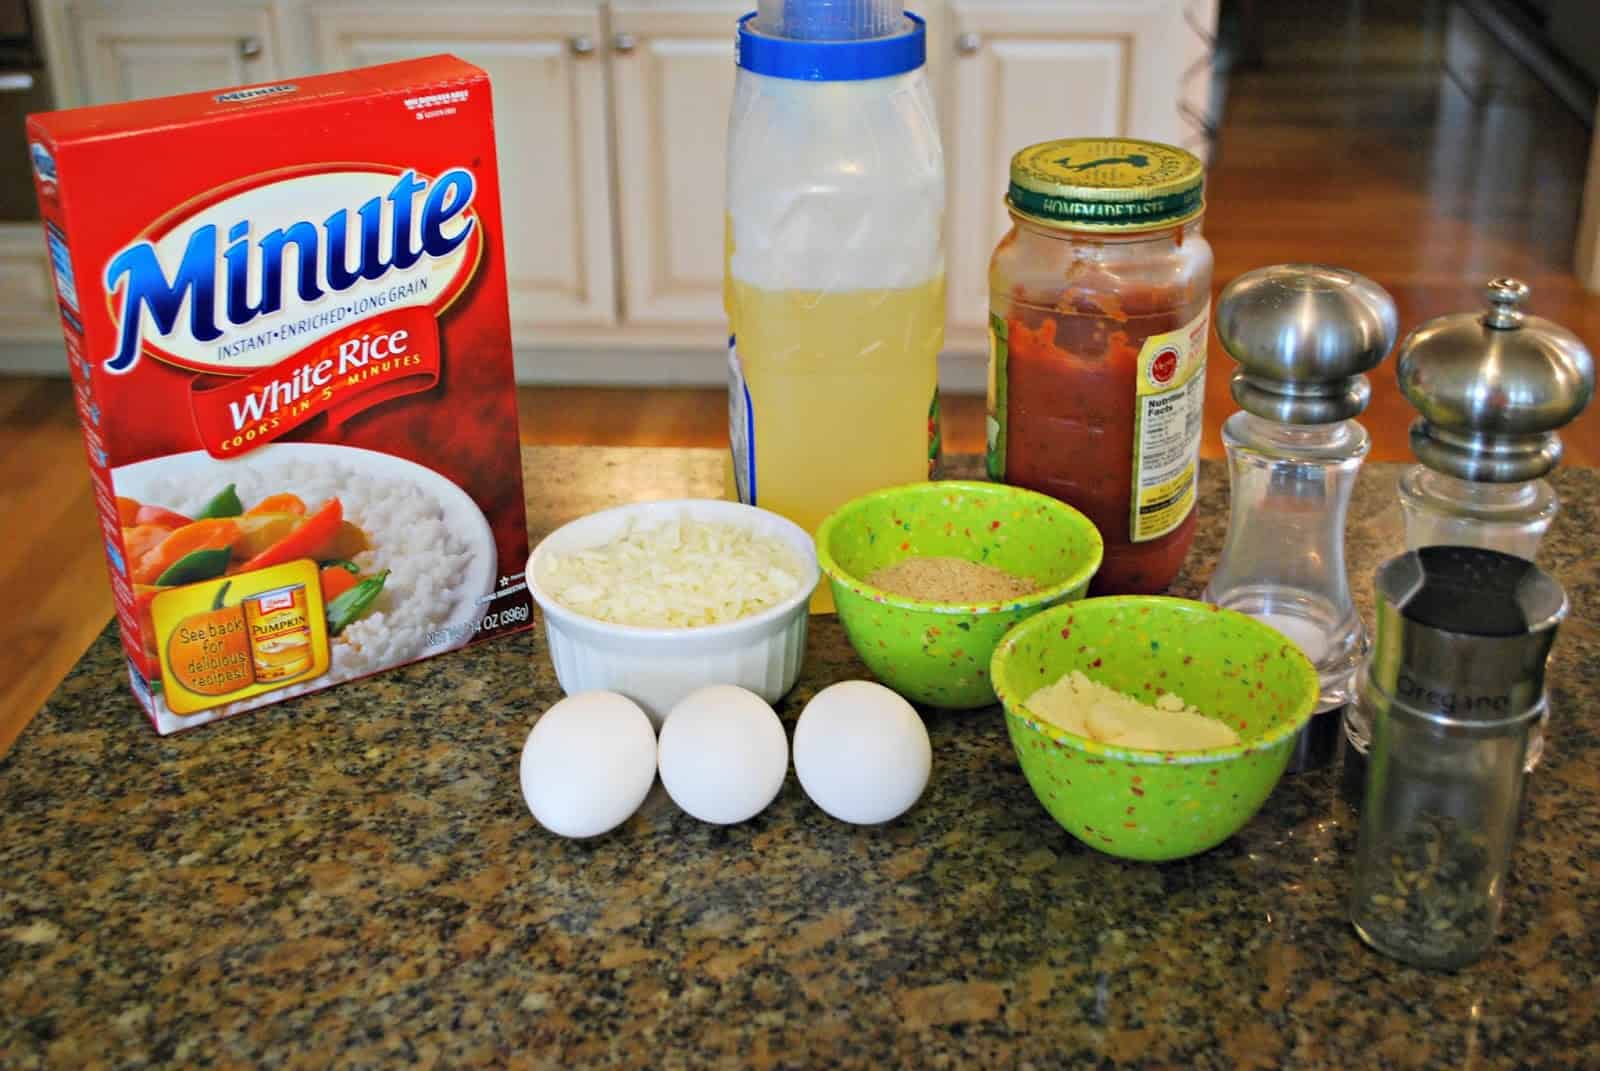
[937, 652]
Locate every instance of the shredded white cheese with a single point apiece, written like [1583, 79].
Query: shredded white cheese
[681, 573]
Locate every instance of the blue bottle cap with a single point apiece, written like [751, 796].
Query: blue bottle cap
[832, 61]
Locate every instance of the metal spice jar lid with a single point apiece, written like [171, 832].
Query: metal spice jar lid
[1463, 635]
[1492, 387]
[1106, 184]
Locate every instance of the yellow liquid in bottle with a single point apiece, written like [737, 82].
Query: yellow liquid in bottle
[841, 385]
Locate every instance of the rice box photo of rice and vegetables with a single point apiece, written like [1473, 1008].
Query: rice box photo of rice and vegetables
[398, 559]
[290, 342]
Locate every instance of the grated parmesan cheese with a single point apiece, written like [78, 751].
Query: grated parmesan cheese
[679, 574]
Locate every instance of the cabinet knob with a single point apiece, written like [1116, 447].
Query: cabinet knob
[250, 48]
[582, 45]
[623, 42]
[968, 44]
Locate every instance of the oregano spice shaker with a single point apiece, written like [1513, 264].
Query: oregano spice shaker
[1454, 687]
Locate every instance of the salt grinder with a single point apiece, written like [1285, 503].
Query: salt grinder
[1454, 688]
[1303, 336]
[1491, 388]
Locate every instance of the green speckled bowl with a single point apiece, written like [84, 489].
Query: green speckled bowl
[1156, 805]
[938, 653]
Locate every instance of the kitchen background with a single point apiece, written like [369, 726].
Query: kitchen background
[1430, 144]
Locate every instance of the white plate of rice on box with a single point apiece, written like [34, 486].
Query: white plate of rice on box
[427, 537]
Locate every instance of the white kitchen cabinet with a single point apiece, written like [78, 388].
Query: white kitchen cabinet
[611, 120]
[100, 51]
[28, 310]
[547, 68]
[122, 50]
[672, 72]
[1019, 73]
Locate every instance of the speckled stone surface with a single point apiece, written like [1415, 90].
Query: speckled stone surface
[352, 880]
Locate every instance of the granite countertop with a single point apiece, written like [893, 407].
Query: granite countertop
[351, 879]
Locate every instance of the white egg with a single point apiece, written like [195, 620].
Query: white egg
[723, 754]
[861, 752]
[588, 763]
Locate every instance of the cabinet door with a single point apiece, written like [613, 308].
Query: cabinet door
[1024, 73]
[548, 76]
[27, 279]
[672, 73]
[125, 51]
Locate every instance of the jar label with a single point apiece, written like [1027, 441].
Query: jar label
[741, 428]
[1171, 390]
[995, 420]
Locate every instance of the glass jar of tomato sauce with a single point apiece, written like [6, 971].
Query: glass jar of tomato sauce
[1099, 298]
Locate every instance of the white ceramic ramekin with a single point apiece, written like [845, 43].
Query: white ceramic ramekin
[656, 667]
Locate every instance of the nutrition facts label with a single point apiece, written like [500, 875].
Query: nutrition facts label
[61, 266]
[1166, 441]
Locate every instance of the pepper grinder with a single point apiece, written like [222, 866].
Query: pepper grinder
[1303, 336]
[1491, 388]
[1453, 691]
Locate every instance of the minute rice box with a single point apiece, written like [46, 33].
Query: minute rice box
[285, 315]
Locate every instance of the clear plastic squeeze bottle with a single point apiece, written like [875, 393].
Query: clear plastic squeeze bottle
[835, 260]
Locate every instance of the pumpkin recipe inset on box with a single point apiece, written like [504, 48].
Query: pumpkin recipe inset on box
[224, 641]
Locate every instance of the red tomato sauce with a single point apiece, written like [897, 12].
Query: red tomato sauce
[1070, 414]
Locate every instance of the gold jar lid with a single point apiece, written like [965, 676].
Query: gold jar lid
[1106, 184]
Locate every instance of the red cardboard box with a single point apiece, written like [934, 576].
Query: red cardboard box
[285, 313]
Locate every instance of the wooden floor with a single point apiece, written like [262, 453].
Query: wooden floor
[1395, 139]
